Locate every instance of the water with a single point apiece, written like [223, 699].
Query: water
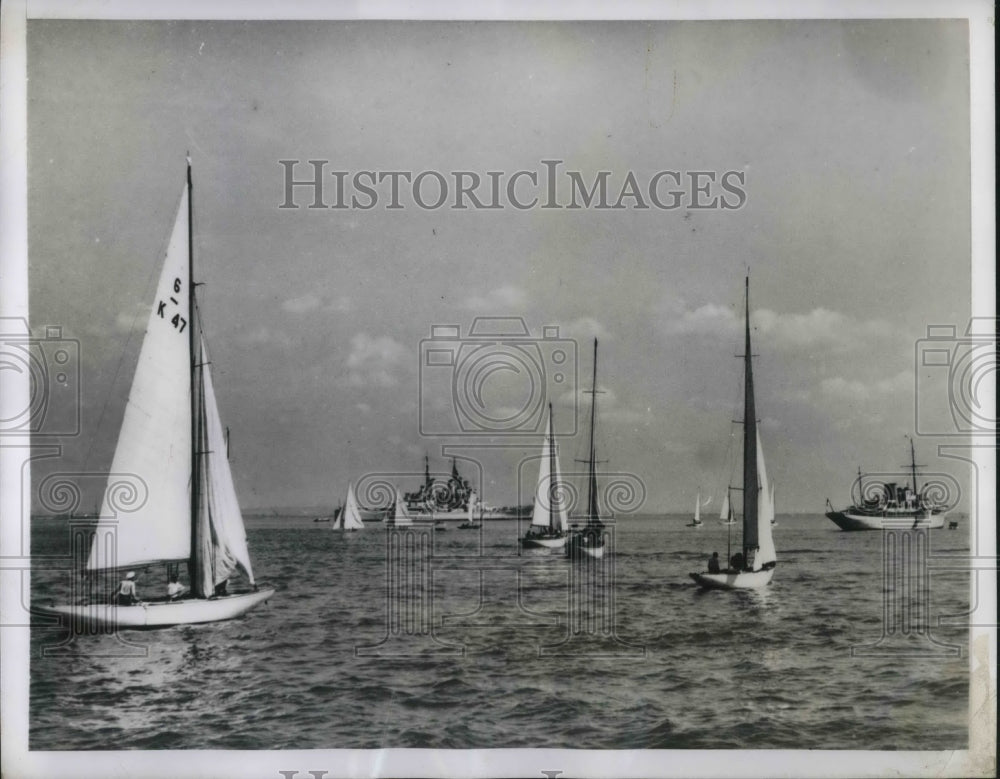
[682, 669]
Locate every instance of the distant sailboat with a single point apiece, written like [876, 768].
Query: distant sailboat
[698, 506]
[172, 437]
[399, 516]
[754, 567]
[474, 508]
[589, 540]
[548, 518]
[726, 515]
[349, 517]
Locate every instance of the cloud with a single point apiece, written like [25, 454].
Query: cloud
[820, 327]
[859, 391]
[302, 305]
[506, 297]
[341, 304]
[584, 327]
[374, 360]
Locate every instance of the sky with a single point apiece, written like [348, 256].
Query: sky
[851, 140]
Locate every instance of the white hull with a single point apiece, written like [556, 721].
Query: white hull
[191, 611]
[743, 580]
[544, 542]
[849, 520]
[580, 546]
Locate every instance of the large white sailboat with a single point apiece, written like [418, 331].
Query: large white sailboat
[172, 438]
[549, 523]
[349, 517]
[754, 566]
[589, 540]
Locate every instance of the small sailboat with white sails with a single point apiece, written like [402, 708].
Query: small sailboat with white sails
[754, 566]
[475, 509]
[726, 515]
[549, 523]
[698, 506]
[398, 515]
[349, 516]
[589, 541]
[172, 438]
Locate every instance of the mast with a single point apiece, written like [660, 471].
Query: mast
[750, 486]
[192, 562]
[592, 514]
[553, 485]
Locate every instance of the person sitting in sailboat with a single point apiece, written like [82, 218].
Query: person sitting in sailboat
[736, 563]
[713, 563]
[126, 594]
[175, 589]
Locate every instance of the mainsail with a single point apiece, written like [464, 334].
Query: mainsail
[765, 514]
[350, 514]
[724, 514]
[154, 444]
[549, 510]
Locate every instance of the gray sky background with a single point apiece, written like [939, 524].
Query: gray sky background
[853, 137]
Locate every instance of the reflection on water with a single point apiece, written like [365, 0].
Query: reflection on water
[495, 649]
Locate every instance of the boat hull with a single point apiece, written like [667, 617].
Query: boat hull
[849, 520]
[742, 580]
[192, 611]
[543, 543]
[580, 547]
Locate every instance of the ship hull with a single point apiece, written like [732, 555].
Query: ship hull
[579, 546]
[849, 520]
[741, 580]
[192, 611]
[543, 543]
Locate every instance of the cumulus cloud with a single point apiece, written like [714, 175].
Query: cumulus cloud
[584, 327]
[856, 390]
[374, 361]
[820, 327]
[502, 298]
[302, 305]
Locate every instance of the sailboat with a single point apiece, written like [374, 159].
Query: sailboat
[349, 517]
[590, 540]
[726, 515]
[474, 506]
[172, 438]
[754, 567]
[397, 515]
[549, 524]
[770, 495]
[698, 506]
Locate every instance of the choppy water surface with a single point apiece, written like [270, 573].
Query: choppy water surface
[485, 648]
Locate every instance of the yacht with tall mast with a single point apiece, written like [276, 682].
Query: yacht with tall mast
[754, 566]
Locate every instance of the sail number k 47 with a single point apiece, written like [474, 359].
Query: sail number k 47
[177, 320]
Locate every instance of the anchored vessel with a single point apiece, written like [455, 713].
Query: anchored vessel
[549, 524]
[589, 541]
[895, 502]
[349, 517]
[172, 438]
[754, 567]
